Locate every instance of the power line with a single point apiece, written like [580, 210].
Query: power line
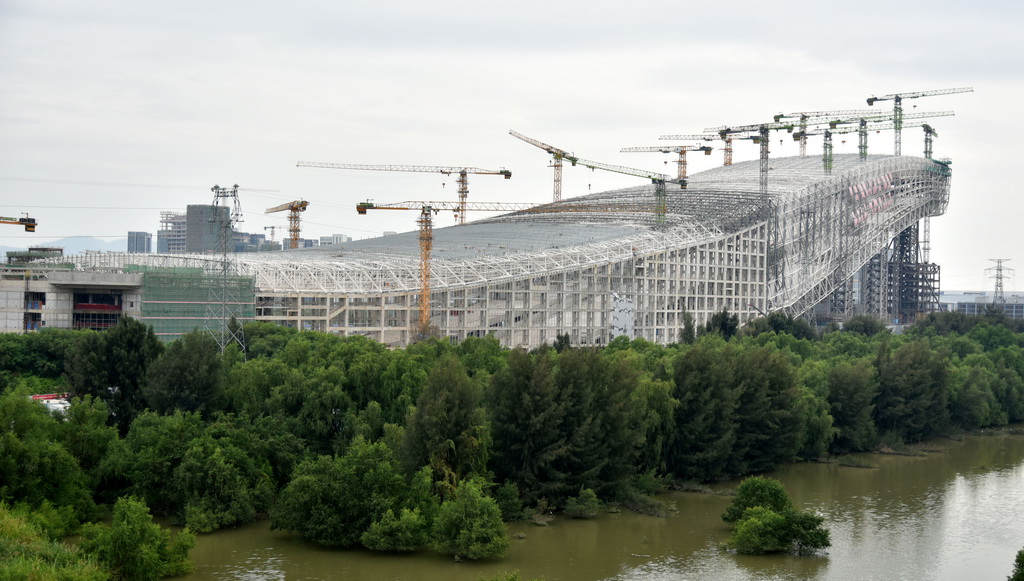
[119, 184]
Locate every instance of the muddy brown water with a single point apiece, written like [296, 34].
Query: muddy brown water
[956, 513]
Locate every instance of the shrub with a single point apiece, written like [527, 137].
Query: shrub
[405, 532]
[767, 522]
[757, 491]
[469, 525]
[134, 547]
[586, 505]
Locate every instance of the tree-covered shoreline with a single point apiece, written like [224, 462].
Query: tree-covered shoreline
[349, 443]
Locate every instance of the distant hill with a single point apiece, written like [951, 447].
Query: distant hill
[79, 244]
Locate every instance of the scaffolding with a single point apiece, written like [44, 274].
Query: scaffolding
[529, 277]
[176, 300]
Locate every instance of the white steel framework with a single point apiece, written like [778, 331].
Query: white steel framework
[528, 277]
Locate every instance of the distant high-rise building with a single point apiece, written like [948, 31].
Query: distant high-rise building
[140, 243]
[204, 227]
[170, 239]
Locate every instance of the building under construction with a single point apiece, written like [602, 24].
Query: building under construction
[819, 244]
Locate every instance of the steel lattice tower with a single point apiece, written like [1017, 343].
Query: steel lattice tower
[998, 298]
[224, 320]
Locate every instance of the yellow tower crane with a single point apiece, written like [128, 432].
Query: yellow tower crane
[557, 156]
[463, 173]
[28, 223]
[426, 226]
[294, 208]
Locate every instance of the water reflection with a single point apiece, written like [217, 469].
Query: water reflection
[955, 514]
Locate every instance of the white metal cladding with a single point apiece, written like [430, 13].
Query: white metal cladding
[529, 276]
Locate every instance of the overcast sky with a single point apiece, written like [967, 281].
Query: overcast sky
[111, 111]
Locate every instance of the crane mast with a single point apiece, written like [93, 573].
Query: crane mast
[758, 133]
[294, 208]
[426, 230]
[658, 179]
[726, 140]
[557, 156]
[462, 172]
[680, 149]
[862, 142]
[897, 107]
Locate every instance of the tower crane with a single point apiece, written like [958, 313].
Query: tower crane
[758, 133]
[463, 173]
[806, 118]
[726, 139]
[929, 134]
[658, 179]
[680, 149]
[862, 129]
[294, 208]
[557, 156]
[28, 223]
[426, 227]
[272, 229]
[897, 107]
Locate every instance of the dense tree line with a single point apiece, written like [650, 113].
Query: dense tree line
[348, 442]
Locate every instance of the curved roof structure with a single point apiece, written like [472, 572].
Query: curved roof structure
[803, 239]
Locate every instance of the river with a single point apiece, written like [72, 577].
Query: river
[956, 513]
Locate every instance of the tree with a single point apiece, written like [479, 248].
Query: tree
[757, 491]
[562, 342]
[134, 547]
[724, 324]
[143, 463]
[469, 525]
[34, 467]
[759, 530]
[448, 430]
[851, 394]
[768, 423]
[765, 521]
[188, 376]
[584, 506]
[86, 435]
[525, 416]
[220, 485]
[1018, 567]
[912, 391]
[688, 334]
[864, 324]
[406, 531]
[114, 367]
[333, 501]
[597, 425]
[705, 417]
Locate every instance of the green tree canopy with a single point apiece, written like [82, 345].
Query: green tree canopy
[136, 548]
[448, 430]
[469, 525]
[188, 376]
[333, 501]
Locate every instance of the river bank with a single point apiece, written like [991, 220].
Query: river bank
[952, 513]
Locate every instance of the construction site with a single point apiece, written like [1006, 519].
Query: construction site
[818, 236]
